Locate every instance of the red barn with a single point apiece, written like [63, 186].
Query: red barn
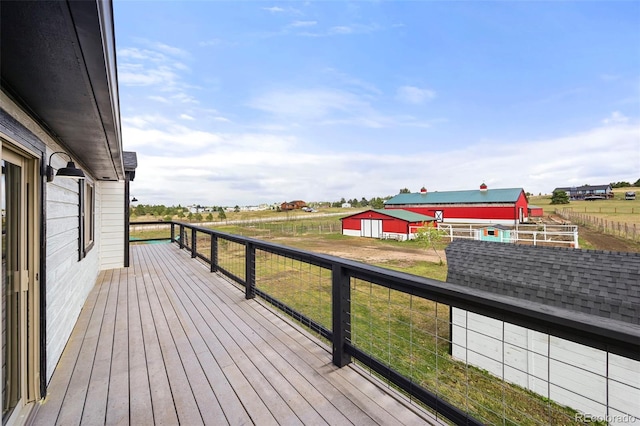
[499, 206]
[395, 224]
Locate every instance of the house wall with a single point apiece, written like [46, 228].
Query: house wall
[111, 219]
[67, 280]
[586, 379]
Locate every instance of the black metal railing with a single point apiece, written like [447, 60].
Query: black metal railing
[341, 293]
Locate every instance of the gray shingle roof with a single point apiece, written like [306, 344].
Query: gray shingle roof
[130, 159]
[601, 283]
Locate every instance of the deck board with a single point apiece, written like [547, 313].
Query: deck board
[167, 342]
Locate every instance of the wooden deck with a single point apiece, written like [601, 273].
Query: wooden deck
[166, 342]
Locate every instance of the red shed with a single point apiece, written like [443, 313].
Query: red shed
[381, 223]
[506, 206]
[535, 211]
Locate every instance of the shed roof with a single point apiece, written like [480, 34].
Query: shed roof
[475, 196]
[405, 215]
[600, 283]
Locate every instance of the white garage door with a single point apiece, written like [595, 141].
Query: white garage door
[371, 228]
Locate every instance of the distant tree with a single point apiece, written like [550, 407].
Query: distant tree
[364, 202]
[636, 183]
[429, 237]
[140, 210]
[236, 209]
[221, 214]
[559, 197]
[198, 217]
[167, 218]
[180, 214]
[620, 184]
[405, 191]
[342, 201]
[209, 217]
[377, 203]
[190, 217]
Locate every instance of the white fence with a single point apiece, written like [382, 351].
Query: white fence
[534, 234]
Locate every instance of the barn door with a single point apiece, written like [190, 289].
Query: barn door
[439, 215]
[371, 228]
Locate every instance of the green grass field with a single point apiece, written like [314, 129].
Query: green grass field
[617, 208]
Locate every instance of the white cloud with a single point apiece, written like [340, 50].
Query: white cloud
[414, 95]
[615, 117]
[297, 24]
[273, 9]
[242, 168]
[186, 117]
[212, 42]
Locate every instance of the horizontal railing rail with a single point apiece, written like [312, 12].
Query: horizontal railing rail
[595, 332]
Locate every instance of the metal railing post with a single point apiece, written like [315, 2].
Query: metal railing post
[341, 307]
[214, 253]
[181, 237]
[194, 250]
[173, 232]
[250, 271]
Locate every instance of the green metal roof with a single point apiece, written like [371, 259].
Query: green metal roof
[405, 215]
[504, 195]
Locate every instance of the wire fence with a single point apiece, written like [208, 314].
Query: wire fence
[625, 230]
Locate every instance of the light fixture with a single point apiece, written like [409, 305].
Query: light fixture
[70, 171]
[134, 199]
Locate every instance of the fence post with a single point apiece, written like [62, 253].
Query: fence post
[214, 253]
[181, 237]
[173, 232]
[341, 307]
[194, 251]
[250, 271]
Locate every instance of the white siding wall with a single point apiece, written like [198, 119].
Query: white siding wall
[69, 280]
[111, 226]
[584, 378]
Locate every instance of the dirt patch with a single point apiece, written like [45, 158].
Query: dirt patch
[601, 241]
[363, 250]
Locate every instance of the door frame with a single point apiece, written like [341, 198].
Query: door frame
[30, 389]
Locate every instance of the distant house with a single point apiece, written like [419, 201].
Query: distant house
[506, 206]
[581, 192]
[292, 205]
[552, 279]
[346, 205]
[380, 223]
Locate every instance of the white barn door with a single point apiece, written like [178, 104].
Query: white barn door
[371, 228]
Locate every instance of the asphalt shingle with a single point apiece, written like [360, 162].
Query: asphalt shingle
[601, 283]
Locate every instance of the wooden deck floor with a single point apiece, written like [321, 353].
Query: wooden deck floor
[166, 342]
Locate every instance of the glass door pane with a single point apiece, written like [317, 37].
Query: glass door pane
[11, 199]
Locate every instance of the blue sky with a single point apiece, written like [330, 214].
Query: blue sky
[240, 102]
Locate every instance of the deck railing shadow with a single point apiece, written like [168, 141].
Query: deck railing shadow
[397, 325]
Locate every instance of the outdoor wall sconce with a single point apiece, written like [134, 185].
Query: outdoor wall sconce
[134, 199]
[70, 171]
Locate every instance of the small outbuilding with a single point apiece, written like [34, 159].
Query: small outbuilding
[385, 224]
[496, 233]
[535, 211]
[580, 286]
